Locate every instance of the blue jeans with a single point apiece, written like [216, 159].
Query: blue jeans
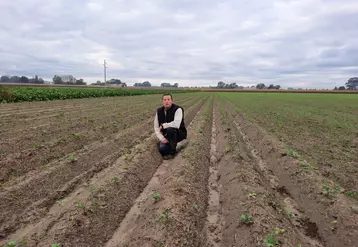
[173, 136]
[164, 148]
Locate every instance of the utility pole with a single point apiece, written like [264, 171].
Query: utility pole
[105, 71]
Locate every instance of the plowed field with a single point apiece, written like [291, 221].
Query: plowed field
[87, 173]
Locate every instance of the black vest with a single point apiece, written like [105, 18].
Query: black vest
[169, 116]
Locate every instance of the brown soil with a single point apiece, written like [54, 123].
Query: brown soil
[45, 143]
[177, 217]
[329, 218]
[58, 181]
[246, 188]
[26, 199]
[230, 169]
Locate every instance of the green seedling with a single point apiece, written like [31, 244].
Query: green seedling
[292, 153]
[337, 188]
[334, 225]
[80, 205]
[237, 156]
[289, 213]
[126, 156]
[196, 207]
[195, 143]
[352, 194]
[76, 136]
[60, 202]
[24, 241]
[306, 165]
[279, 231]
[56, 245]
[165, 215]
[246, 219]
[73, 158]
[228, 148]
[156, 196]
[329, 192]
[252, 195]
[115, 180]
[271, 240]
[12, 243]
[37, 145]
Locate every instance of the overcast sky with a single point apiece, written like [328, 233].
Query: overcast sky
[307, 43]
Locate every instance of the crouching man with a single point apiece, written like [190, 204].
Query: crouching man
[169, 126]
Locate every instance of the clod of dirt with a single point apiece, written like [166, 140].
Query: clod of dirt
[273, 205]
[311, 228]
[212, 228]
[283, 191]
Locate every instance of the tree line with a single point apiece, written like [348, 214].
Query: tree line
[351, 84]
[148, 84]
[235, 86]
[21, 79]
[70, 80]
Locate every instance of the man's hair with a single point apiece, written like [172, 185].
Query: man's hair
[167, 94]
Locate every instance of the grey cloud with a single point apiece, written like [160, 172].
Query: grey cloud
[309, 42]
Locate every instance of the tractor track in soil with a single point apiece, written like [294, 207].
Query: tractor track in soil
[54, 185]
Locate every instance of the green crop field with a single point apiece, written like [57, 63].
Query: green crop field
[323, 128]
[23, 94]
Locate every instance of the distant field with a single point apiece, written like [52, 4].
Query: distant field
[280, 91]
[259, 169]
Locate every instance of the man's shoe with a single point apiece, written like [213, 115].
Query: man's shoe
[181, 145]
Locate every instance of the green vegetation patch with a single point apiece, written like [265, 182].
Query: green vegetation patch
[23, 94]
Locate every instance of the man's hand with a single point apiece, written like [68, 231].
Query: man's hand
[164, 140]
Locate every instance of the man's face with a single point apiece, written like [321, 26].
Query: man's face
[167, 101]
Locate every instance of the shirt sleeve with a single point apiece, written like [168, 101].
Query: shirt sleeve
[156, 128]
[177, 120]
